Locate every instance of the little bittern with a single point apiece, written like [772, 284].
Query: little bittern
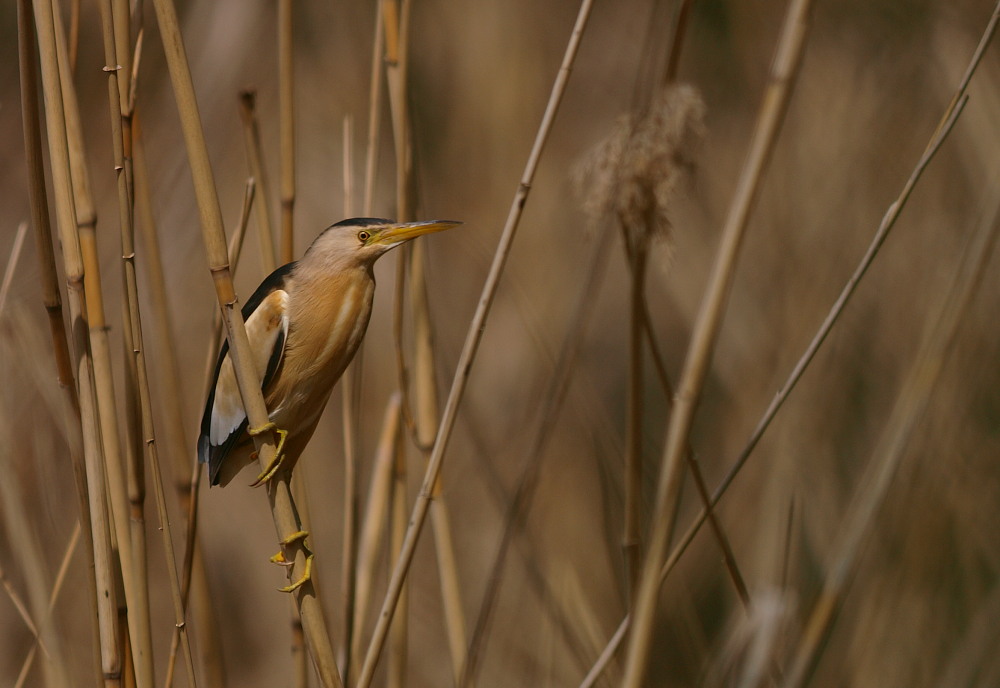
[304, 322]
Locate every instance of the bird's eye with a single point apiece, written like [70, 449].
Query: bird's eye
[364, 236]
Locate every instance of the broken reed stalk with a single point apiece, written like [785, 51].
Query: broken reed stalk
[941, 132]
[279, 494]
[286, 127]
[703, 337]
[66, 222]
[12, 261]
[369, 542]
[255, 163]
[194, 579]
[911, 403]
[350, 417]
[425, 419]
[469, 349]
[51, 298]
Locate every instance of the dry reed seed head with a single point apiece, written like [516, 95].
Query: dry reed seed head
[633, 174]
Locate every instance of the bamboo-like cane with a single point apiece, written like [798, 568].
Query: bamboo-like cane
[255, 162]
[73, 264]
[126, 516]
[279, 494]
[787, 58]
[134, 325]
[51, 298]
[469, 349]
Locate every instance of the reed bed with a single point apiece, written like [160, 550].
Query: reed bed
[725, 264]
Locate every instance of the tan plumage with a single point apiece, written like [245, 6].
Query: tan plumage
[305, 323]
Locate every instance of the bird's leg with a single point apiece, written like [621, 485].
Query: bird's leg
[279, 455]
[281, 560]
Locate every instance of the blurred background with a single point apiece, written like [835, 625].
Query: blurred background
[923, 607]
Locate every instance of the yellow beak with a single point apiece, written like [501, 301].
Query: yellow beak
[397, 234]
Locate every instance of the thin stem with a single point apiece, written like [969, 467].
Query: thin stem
[255, 162]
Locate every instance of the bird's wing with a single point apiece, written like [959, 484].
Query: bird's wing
[224, 421]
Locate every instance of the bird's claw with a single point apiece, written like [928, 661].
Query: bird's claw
[281, 560]
[306, 575]
[279, 453]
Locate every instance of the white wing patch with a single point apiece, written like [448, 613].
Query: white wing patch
[265, 324]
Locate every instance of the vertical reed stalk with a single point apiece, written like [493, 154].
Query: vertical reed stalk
[286, 126]
[350, 405]
[101, 353]
[426, 418]
[397, 527]
[200, 609]
[128, 516]
[279, 494]
[373, 522]
[51, 297]
[73, 264]
[632, 536]
[192, 557]
[255, 162]
[15, 257]
[134, 324]
[469, 349]
[784, 68]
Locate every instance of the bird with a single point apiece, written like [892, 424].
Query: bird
[304, 322]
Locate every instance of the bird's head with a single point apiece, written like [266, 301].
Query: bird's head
[363, 239]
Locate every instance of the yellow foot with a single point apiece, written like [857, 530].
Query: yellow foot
[306, 575]
[279, 455]
[281, 560]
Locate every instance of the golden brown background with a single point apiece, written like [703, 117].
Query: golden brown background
[924, 604]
